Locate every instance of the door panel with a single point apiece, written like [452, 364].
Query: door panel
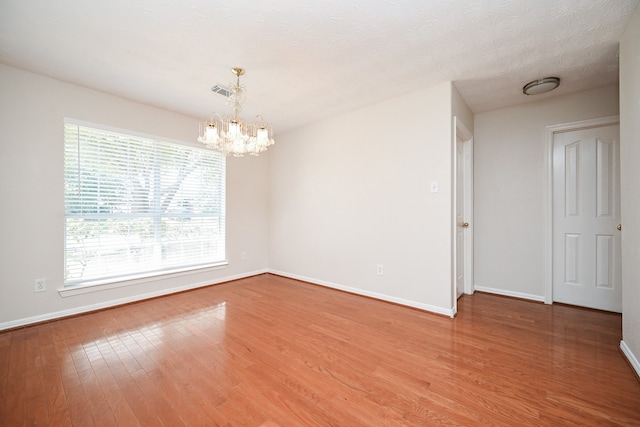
[572, 260]
[605, 167]
[586, 211]
[604, 259]
[572, 173]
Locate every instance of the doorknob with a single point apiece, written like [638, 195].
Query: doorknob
[619, 227]
[465, 224]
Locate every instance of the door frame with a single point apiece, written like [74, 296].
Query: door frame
[462, 132]
[550, 132]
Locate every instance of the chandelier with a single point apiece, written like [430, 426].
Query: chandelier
[231, 135]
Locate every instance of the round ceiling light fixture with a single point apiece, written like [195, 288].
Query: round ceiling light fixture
[539, 86]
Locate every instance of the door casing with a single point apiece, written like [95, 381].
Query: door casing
[462, 133]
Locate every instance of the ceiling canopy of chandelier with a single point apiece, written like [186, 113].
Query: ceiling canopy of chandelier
[231, 135]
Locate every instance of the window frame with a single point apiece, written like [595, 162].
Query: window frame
[77, 286]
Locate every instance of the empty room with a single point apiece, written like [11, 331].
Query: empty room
[320, 213]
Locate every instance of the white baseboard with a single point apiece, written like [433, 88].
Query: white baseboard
[521, 295]
[112, 303]
[630, 357]
[426, 307]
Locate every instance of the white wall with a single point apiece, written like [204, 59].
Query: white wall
[352, 192]
[630, 188]
[462, 111]
[509, 188]
[32, 108]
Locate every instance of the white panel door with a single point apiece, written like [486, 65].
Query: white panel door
[586, 213]
[461, 225]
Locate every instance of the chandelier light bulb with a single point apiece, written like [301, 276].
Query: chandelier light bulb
[262, 136]
[212, 133]
[234, 130]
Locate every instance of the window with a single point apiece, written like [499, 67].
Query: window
[135, 206]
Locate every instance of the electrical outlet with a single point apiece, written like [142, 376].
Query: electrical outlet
[244, 255]
[380, 270]
[40, 285]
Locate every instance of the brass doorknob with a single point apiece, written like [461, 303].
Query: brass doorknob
[465, 224]
[619, 227]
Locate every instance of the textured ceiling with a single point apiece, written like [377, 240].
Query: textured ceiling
[311, 59]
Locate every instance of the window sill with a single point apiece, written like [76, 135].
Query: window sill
[88, 288]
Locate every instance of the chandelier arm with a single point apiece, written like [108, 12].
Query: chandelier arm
[218, 115]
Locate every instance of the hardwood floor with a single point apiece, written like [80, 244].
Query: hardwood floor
[269, 351]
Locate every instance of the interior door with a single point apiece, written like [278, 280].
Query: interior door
[586, 214]
[461, 224]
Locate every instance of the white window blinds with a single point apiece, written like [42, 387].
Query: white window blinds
[136, 207]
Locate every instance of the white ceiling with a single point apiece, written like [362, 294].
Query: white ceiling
[311, 59]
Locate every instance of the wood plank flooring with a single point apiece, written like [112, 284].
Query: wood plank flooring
[269, 351]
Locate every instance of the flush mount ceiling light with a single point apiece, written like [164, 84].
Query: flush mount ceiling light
[232, 135]
[539, 86]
